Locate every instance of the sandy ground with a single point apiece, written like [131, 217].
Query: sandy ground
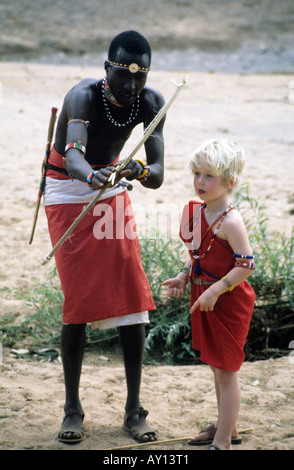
[180, 401]
[253, 109]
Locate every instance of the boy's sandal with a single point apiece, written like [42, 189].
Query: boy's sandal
[210, 431]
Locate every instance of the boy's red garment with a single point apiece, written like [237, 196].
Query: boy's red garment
[220, 334]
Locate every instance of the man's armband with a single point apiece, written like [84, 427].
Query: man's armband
[87, 123]
[76, 145]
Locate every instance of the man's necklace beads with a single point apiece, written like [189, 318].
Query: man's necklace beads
[133, 113]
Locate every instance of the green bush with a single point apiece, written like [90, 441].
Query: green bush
[272, 324]
[168, 334]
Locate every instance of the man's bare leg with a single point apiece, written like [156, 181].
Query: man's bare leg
[72, 352]
[132, 340]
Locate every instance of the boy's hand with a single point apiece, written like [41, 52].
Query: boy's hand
[205, 302]
[176, 287]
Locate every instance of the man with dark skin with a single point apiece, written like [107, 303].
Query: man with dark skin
[96, 120]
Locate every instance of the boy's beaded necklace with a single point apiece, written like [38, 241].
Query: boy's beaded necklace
[108, 96]
[218, 221]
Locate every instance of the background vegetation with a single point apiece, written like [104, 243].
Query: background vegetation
[169, 335]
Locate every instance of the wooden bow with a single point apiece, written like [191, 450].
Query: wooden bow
[43, 178]
[120, 168]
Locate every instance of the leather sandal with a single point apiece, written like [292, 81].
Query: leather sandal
[72, 428]
[140, 430]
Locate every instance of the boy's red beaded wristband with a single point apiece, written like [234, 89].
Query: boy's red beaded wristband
[245, 264]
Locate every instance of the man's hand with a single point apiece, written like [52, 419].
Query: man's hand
[103, 175]
[135, 168]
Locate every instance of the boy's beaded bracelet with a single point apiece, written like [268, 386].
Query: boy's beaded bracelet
[228, 283]
[89, 179]
[186, 270]
[245, 264]
[146, 170]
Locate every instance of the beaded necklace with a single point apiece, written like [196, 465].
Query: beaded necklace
[219, 221]
[108, 96]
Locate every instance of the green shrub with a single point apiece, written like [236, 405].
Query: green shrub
[272, 324]
[168, 334]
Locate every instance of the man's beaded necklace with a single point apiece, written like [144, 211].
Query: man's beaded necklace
[108, 96]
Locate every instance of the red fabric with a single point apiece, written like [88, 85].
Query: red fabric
[100, 278]
[59, 160]
[220, 335]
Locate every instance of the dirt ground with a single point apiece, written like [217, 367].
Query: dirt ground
[47, 48]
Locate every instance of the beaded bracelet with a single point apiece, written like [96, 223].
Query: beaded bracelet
[76, 145]
[228, 283]
[146, 170]
[245, 264]
[145, 175]
[79, 121]
[186, 270]
[89, 179]
[236, 255]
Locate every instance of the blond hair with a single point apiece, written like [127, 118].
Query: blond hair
[225, 159]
